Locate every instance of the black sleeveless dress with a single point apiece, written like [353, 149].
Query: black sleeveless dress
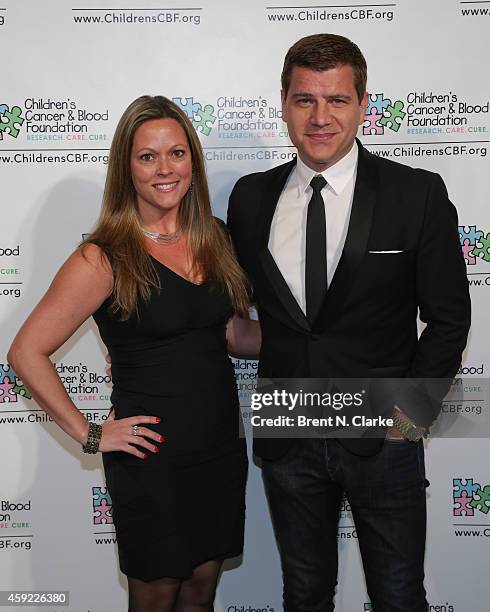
[185, 505]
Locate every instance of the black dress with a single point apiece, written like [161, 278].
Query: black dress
[185, 505]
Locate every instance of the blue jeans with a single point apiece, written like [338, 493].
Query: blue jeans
[386, 493]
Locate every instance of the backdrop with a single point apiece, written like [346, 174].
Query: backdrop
[68, 71]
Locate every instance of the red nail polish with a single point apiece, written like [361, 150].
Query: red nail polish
[162, 439]
[145, 456]
[158, 420]
[156, 450]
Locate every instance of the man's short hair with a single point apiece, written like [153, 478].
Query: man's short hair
[324, 52]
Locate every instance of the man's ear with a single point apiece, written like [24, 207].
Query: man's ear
[283, 105]
[363, 107]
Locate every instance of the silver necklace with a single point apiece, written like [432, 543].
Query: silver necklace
[163, 238]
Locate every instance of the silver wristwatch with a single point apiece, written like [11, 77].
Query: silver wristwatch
[409, 431]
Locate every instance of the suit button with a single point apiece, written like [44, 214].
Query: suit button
[315, 336]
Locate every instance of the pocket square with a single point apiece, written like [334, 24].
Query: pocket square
[386, 252]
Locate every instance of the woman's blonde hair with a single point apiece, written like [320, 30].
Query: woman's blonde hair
[118, 231]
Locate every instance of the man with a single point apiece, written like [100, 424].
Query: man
[343, 248]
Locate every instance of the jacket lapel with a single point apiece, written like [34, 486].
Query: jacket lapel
[361, 219]
[269, 267]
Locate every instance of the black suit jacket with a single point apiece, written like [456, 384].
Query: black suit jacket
[367, 324]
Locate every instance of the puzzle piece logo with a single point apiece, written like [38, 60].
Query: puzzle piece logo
[202, 117]
[469, 496]
[11, 386]
[11, 120]
[382, 113]
[102, 506]
[475, 244]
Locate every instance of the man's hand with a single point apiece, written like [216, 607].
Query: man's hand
[108, 369]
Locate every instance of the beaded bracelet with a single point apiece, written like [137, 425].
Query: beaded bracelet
[93, 439]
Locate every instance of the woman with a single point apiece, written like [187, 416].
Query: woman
[159, 277]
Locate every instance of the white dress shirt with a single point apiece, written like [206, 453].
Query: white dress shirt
[287, 238]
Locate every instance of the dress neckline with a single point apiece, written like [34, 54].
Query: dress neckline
[186, 280]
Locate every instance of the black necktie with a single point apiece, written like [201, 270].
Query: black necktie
[316, 250]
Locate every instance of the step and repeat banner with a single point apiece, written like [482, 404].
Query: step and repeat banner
[69, 69]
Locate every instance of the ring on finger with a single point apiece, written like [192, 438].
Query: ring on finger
[135, 430]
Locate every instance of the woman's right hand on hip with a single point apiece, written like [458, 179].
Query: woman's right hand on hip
[130, 435]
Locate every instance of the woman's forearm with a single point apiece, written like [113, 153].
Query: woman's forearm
[244, 337]
[39, 374]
